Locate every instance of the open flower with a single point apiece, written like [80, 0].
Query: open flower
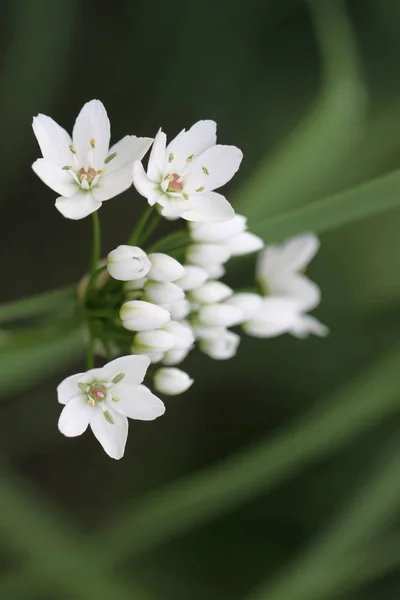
[104, 398]
[84, 170]
[182, 176]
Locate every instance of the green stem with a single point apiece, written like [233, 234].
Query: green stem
[171, 241]
[152, 226]
[96, 247]
[90, 353]
[37, 305]
[135, 235]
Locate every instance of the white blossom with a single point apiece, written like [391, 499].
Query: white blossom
[204, 255]
[193, 278]
[163, 292]
[214, 271]
[275, 316]
[179, 310]
[218, 342]
[174, 356]
[247, 302]
[156, 340]
[165, 268]
[217, 233]
[128, 263]
[135, 284]
[244, 243]
[211, 292]
[104, 398]
[171, 382]
[137, 315]
[219, 315]
[182, 176]
[181, 333]
[83, 169]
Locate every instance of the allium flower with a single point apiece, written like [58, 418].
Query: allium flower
[104, 398]
[182, 176]
[171, 382]
[163, 292]
[232, 235]
[193, 278]
[218, 343]
[164, 268]
[84, 170]
[137, 315]
[128, 263]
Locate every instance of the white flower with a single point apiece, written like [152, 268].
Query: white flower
[163, 292]
[307, 324]
[217, 233]
[137, 315]
[135, 284]
[205, 255]
[171, 382]
[244, 243]
[278, 271]
[214, 271]
[218, 343]
[104, 398]
[165, 268]
[211, 292]
[219, 315]
[174, 357]
[247, 302]
[182, 176]
[182, 335]
[84, 170]
[128, 263]
[274, 317]
[152, 341]
[193, 278]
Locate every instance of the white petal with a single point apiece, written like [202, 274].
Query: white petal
[158, 158]
[248, 302]
[297, 287]
[55, 177]
[207, 254]
[134, 368]
[244, 243]
[212, 169]
[174, 357]
[164, 267]
[220, 315]
[193, 278]
[144, 185]
[209, 207]
[218, 232]
[137, 402]
[276, 316]
[192, 143]
[68, 388]
[307, 324]
[113, 184]
[172, 381]
[77, 207]
[92, 123]
[53, 140]
[111, 436]
[211, 292]
[160, 292]
[127, 150]
[143, 316]
[75, 417]
[299, 251]
[221, 347]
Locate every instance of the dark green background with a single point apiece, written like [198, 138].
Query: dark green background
[256, 68]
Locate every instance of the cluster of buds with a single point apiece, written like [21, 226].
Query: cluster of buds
[149, 310]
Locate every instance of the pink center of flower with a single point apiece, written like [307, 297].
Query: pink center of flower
[98, 393]
[175, 185]
[88, 175]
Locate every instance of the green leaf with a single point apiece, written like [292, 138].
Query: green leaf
[38, 305]
[360, 202]
[27, 357]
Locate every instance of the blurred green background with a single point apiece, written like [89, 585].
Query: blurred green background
[277, 476]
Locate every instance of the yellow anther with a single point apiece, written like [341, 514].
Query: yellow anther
[91, 402]
[72, 149]
[190, 158]
[200, 189]
[115, 399]
[185, 196]
[67, 168]
[93, 143]
[83, 177]
[205, 170]
[171, 157]
[100, 171]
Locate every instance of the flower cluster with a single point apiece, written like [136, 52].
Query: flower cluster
[143, 309]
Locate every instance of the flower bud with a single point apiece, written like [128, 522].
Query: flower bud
[164, 268]
[247, 302]
[171, 382]
[155, 356]
[211, 292]
[182, 335]
[179, 310]
[207, 254]
[193, 278]
[157, 340]
[219, 315]
[135, 284]
[275, 317]
[127, 263]
[174, 357]
[163, 292]
[220, 344]
[217, 232]
[141, 316]
[244, 243]
[214, 271]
